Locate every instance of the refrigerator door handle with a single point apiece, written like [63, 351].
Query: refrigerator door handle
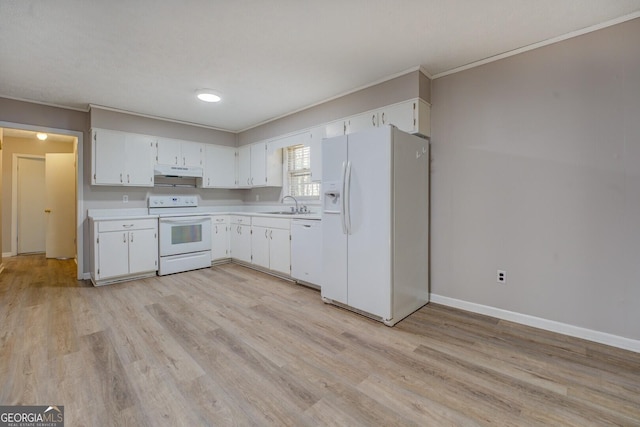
[342, 204]
[347, 198]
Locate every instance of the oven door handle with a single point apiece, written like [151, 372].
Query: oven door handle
[185, 221]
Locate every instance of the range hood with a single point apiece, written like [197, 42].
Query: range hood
[177, 171]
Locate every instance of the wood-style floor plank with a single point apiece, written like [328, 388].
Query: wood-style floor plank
[231, 346]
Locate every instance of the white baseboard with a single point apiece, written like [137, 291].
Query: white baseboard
[7, 254]
[537, 322]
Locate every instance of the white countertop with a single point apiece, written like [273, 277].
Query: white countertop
[120, 214]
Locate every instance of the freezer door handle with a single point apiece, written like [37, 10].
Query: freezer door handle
[347, 198]
[342, 204]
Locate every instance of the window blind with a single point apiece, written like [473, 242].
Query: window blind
[299, 173]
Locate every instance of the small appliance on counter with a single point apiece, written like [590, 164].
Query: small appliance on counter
[184, 234]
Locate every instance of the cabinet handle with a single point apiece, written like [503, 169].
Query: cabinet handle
[127, 225]
[216, 229]
[124, 237]
[251, 180]
[128, 179]
[271, 235]
[131, 237]
[383, 122]
[120, 177]
[373, 119]
[248, 183]
[176, 161]
[265, 234]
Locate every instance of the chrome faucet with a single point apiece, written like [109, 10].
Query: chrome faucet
[295, 200]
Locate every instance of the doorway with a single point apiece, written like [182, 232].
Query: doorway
[40, 202]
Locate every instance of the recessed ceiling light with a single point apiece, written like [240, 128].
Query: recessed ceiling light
[41, 136]
[207, 95]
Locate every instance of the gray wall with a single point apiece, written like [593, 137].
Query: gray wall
[407, 86]
[536, 171]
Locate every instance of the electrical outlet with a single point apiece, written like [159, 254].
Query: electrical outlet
[125, 199]
[502, 276]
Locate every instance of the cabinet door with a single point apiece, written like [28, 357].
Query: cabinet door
[143, 251]
[306, 251]
[113, 254]
[191, 153]
[402, 116]
[168, 151]
[260, 246]
[219, 241]
[108, 154]
[315, 146]
[335, 128]
[280, 250]
[244, 166]
[138, 161]
[273, 166]
[240, 236]
[219, 166]
[259, 165]
[362, 122]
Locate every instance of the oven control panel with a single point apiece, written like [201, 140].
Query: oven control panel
[173, 201]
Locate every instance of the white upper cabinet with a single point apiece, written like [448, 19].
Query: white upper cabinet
[410, 116]
[175, 152]
[120, 158]
[337, 128]
[362, 122]
[220, 166]
[244, 166]
[259, 165]
[315, 151]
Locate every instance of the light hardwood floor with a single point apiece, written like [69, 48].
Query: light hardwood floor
[231, 346]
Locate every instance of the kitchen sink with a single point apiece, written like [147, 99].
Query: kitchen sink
[280, 213]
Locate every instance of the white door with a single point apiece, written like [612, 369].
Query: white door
[60, 205]
[369, 212]
[31, 205]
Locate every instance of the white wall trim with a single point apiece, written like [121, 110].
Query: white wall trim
[7, 254]
[164, 119]
[547, 42]
[368, 85]
[48, 104]
[537, 322]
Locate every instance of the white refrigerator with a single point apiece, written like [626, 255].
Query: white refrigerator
[375, 223]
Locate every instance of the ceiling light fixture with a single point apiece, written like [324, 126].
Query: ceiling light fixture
[41, 136]
[207, 95]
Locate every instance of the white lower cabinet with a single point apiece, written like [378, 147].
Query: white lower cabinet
[271, 243]
[123, 249]
[240, 237]
[220, 237]
[306, 250]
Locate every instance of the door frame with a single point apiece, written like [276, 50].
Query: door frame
[79, 153]
[14, 197]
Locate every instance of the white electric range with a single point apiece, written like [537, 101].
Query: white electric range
[184, 233]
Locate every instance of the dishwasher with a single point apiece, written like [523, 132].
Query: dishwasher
[306, 251]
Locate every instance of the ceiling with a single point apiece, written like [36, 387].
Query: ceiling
[265, 58]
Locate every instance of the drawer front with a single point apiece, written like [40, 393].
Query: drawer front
[219, 219]
[240, 219]
[261, 221]
[135, 224]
